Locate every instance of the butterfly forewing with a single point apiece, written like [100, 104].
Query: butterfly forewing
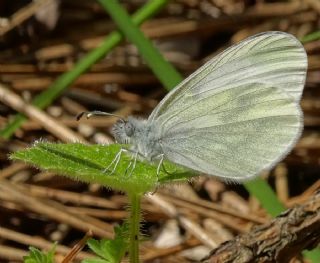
[274, 58]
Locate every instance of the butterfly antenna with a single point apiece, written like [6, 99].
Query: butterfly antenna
[89, 114]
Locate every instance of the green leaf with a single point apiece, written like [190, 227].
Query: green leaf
[37, 256]
[110, 251]
[87, 163]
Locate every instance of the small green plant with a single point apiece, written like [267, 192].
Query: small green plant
[110, 251]
[87, 163]
[107, 250]
[37, 256]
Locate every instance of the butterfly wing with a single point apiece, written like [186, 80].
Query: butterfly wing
[235, 134]
[239, 113]
[272, 57]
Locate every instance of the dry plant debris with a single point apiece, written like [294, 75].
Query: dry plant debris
[38, 208]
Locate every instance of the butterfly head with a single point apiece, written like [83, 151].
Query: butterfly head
[123, 131]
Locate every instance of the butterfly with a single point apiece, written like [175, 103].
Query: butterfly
[233, 118]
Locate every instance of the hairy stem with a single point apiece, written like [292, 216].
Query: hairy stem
[134, 226]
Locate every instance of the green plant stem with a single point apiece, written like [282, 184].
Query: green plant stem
[134, 227]
[149, 53]
[310, 37]
[265, 195]
[65, 80]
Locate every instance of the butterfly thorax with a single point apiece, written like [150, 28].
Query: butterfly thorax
[141, 134]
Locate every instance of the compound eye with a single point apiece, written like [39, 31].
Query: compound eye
[128, 129]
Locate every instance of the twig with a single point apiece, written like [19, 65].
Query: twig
[287, 235]
[68, 196]
[183, 202]
[11, 253]
[23, 14]
[12, 169]
[191, 226]
[315, 4]
[56, 211]
[38, 242]
[164, 252]
[13, 100]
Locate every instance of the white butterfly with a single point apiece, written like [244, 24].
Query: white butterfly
[234, 117]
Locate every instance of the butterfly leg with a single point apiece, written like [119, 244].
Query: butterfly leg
[114, 162]
[161, 156]
[132, 164]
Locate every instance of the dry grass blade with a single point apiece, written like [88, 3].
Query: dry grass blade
[39, 207]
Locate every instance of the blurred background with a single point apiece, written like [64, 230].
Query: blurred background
[44, 39]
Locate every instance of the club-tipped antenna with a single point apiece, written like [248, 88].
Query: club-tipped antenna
[89, 114]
